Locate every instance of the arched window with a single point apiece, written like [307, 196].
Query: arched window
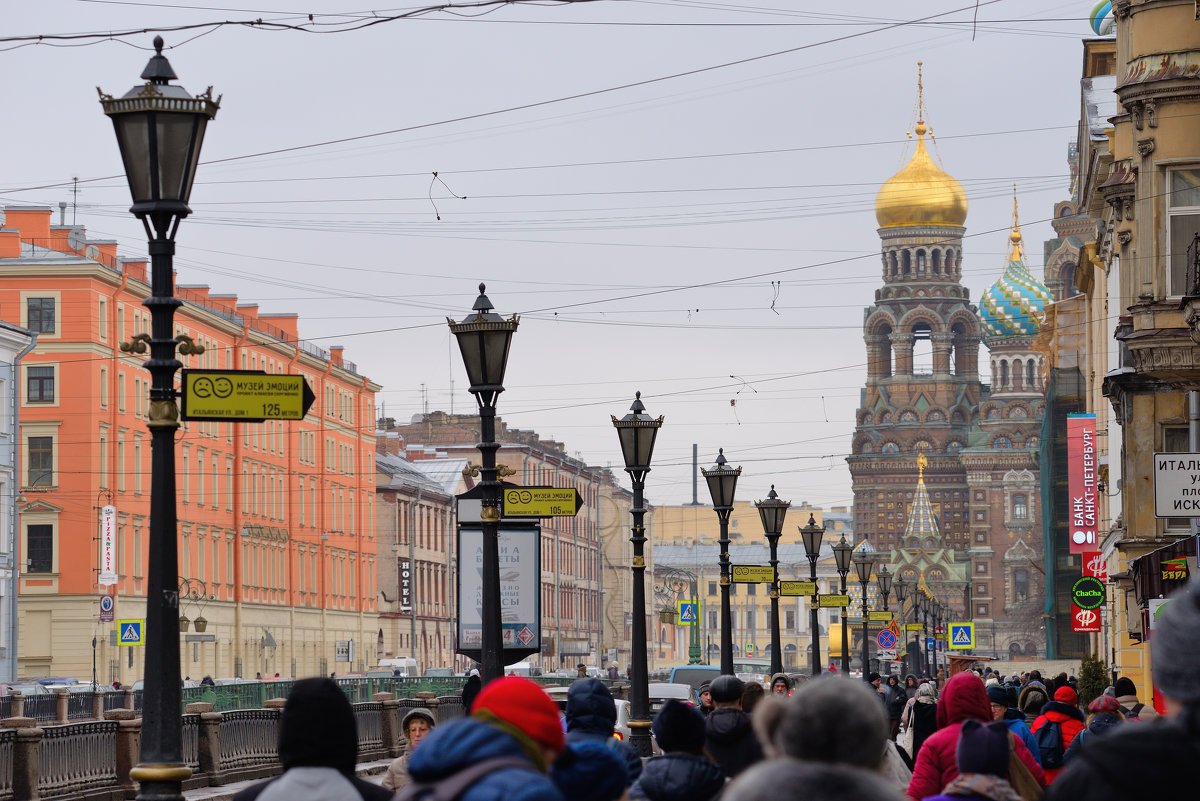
[921, 261]
[1020, 507]
[1018, 374]
[1029, 375]
[1003, 373]
[922, 349]
[1020, 585]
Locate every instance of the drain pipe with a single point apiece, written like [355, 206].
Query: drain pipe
[13, 535]
[1194, 445]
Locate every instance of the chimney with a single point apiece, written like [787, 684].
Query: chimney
[134, 268]
[335, 354]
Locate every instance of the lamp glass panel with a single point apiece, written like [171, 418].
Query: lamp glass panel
[495, 345]
[133, 140]
[841, 555]
[471, 348]
[862, 566]
[721, 485]
[176, 153]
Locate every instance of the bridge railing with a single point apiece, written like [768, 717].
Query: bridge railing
[76, 757]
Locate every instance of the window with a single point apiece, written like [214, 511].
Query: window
[40, 315]
[1020, 585]
[789, 617]
[39, 544]
[752, 589]
[981, 609]
[981, 568]
[1175, 440]
[1020, 507]
[40, 384]
[712, 588]
[1183, 213]
[41, 461]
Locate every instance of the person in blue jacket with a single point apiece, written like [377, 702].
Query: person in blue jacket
[592, 716]
[682, 772]
[1013, 718]
[511, 738]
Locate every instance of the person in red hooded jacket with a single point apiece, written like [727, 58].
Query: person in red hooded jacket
[963, 698]
[1064, 711]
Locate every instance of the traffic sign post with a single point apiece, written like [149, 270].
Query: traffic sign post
[886, 639]
[245, 396]
[689, 614]
[107, 608]
[962, 636]
[541, 502]
[131, 632]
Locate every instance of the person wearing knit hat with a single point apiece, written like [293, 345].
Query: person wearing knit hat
[789, 779]
[1000, 699]
[682, 772]
[318, 748]
[704, 693]
[590, 771]
[414, 726]
[728, 734]
[1150, 760]
[1126, 693]
[982, 757]
[511, 738]
[1061, 716]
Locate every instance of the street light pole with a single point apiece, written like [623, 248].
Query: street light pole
[484, 338]
[901, 596]
[160, 129]
[884, 579]
[722, 481]
[637, 432]
[842, 553]
[812, 534]
[772, 511]
[862, 566]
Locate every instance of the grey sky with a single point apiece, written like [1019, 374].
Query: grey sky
[637, 231]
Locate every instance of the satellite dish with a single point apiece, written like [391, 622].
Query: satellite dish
[76, 238]
[92, 252]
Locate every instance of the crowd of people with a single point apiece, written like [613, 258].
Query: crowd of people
[979, 736]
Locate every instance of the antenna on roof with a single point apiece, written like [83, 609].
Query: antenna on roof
[74, 197]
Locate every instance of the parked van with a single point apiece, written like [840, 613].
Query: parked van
[519, 669]
[400, 665]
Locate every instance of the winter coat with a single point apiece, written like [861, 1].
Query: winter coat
[1100, 723]
[729, 739]
[924, 723]
[313, 784]
[1134, 761]
[591, 715]
[963, 698]
[894, 700]
[1016, 724]
[1031, 699]
[910, 692]
[1071, 722]
[454, 746]
[396, 776]
[678, 777]
[1147, 712]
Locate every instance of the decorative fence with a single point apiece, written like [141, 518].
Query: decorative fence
[8, 738]
[249, 738]
[42, 708]
[77, 757]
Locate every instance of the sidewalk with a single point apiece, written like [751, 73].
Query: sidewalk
[371, 771]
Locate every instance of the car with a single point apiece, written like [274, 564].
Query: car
[26, 689]
[694, 675]
[621, 729]
[442, 672]
[661, 692]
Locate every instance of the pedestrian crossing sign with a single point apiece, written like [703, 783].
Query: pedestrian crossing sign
[688, 613]
[131, 632]
[962, 635]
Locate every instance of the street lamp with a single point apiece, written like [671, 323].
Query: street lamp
[862, 566]
[884, 579]
[812, 534]
[772, 511]
[637, 431]
[901, 596]
[160, 129]
[842, 552]
[484, 338]
[722, 481]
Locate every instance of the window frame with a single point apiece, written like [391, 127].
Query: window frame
[47, 377]
[1173, 213]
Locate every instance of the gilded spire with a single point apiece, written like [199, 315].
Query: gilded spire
[921, 127]
[1015, 237]
[922, 463]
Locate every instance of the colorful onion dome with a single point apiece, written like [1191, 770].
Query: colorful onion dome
[922, 193]
[1009, 307]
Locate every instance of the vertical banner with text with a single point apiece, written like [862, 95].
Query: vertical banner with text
[1083, 508]
[108, 546]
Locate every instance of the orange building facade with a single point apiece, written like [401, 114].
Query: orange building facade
[275, 520]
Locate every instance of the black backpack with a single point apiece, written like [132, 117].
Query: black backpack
[1049, 740]
[452, 787]
[1133, 714]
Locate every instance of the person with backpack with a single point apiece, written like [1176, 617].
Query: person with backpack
[682, 772]
[1000, 699]
[1131, 707]
[502, 752]
[1103, 714]
[1055, 729]
[590, 771]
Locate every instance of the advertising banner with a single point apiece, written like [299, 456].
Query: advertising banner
[1084, 620]
[406, 585]
[1083, 511]
[1095, 565]
[108, 546]
[519, 585]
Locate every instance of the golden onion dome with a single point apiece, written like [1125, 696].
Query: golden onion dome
[922, 193]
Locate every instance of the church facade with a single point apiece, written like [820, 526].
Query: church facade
[978, 545]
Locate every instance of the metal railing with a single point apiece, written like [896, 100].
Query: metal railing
[114, 699]
[191, 742]
[368, 719]
[249, 737]
[6, 706]
[43, 708]
[450, 707]
[8, 739]
[80, 706]
[77, 756]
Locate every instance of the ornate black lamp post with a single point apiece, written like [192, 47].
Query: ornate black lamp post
[160, 129]
[722, 481]
[863, 563]
[772, 511]
[842, 553]
[902, 587]
[884, 579]
[637, 431]
[484, 338]
[812, 534]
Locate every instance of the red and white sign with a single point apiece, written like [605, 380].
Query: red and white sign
[108, 546]
[1095, 565]
[1083, 523]
[1084, 620]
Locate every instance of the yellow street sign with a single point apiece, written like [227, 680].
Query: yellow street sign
[833, 601]
[751, 574]
[247, 396]
[791, 588]
[913, 627]
[884, 617]
[541, 502]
